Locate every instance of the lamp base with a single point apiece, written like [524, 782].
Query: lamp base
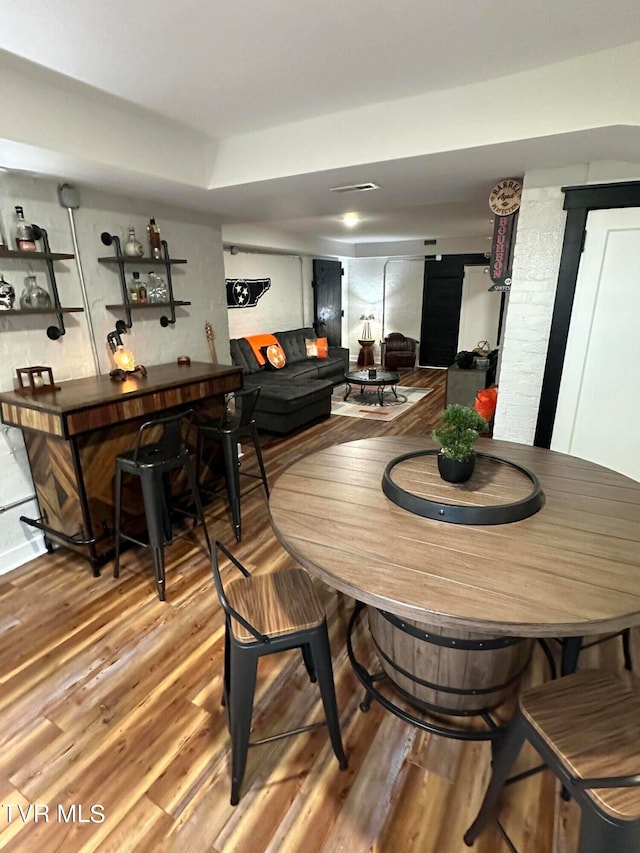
[120, 375]
[365, 356]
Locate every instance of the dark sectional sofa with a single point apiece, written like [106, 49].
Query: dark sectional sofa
[298, 393]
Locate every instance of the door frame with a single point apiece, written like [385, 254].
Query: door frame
[578, 202]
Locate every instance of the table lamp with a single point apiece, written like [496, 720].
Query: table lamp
[124, 359]
[366, 329]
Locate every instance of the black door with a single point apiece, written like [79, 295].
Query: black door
[327, 301]
[442, 297]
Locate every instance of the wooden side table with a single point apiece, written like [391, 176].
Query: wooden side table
[365, 356]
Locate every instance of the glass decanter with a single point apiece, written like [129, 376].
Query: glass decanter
[133, 248]
[34, 296]
[157, 290]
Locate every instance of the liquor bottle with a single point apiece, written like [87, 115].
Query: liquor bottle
[34, 296]
[24, 233]
[134, 287]
[153, 234]
[133, 248]
[7, 294]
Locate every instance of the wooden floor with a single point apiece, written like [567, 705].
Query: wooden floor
[111, 699]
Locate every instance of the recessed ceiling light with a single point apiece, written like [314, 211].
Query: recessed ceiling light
[351, 219]
[355, 188]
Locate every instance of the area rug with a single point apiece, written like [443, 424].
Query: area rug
[366, 405]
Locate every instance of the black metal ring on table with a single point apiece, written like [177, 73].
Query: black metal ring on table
[463, 513]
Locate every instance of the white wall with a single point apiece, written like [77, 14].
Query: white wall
[479, 310]
[23, 341]
[288, 304]
[537, 254]
[388, 288]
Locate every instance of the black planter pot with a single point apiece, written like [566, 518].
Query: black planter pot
[455, 470]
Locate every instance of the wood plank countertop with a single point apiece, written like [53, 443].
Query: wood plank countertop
[571, 569]
[81, 405]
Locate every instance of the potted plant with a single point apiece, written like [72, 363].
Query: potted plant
[460, 427]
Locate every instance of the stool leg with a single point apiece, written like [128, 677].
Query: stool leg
[195, 493]
[256, 444]
[626, 648]
[504, 760]
[242, 684]
[322, 659]
[118, 487]
[154, 515]
[230, 453]
[597, 834]
[308, 661]
[571, 647]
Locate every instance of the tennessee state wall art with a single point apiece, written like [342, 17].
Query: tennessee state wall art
[504, 202]
[245, 292]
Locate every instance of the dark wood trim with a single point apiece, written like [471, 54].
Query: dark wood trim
[602, 196]
[578, 202]
[473, 259]
[567, 276]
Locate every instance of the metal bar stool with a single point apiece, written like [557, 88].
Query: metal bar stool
[570, 648]
[585, 728]
[152, 462]
[266, 614]
[228, 431]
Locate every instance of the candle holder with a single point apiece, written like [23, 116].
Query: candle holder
[35, 380]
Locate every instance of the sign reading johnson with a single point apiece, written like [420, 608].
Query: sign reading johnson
[245, 292]
[504, 201]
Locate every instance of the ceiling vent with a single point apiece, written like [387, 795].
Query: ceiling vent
[355, 188]
[430, 242]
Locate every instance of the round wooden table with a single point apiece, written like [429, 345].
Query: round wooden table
[571, 569]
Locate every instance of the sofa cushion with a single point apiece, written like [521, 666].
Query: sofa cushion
[242, 356]
[294, 343]
[287, 397]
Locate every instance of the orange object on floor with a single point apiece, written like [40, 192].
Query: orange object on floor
[486, 402]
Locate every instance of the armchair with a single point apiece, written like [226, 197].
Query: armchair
[399, 352]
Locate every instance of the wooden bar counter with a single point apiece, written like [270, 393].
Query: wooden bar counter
[74, 434]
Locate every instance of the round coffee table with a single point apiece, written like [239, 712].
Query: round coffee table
[382, 380]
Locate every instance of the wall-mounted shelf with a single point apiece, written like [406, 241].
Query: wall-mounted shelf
[25, 312]
[140, 262]
[53, 332]
[137, 306]
[121, 262]
[35, 256]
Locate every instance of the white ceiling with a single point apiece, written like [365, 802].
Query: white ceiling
[222, 73]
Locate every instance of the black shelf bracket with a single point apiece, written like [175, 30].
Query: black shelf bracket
[113, 239]
[53, 332]
[166, 321]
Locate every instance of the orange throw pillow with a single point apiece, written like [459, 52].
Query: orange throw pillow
[256, 342]
[323, 348]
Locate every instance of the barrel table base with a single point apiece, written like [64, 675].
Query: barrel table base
[464, 675]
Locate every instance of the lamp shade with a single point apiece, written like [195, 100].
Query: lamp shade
[366, 328]
[124, 358]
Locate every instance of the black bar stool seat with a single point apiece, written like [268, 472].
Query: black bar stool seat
[266, 614]
[152, 462]
[229, 431]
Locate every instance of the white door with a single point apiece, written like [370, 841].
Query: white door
[598, 413]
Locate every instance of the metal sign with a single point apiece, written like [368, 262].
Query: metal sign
[245, 292]
[504, 202]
